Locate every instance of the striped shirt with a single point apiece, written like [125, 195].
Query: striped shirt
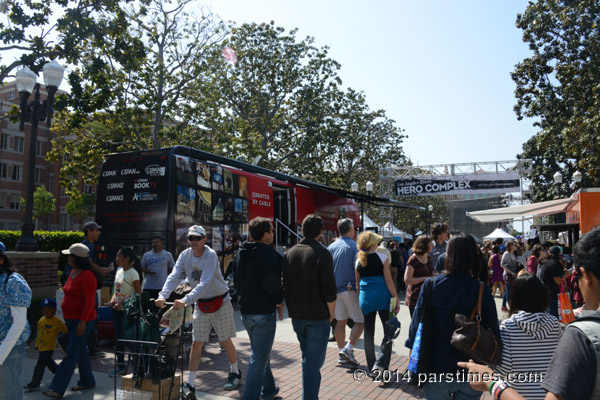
[529, 341]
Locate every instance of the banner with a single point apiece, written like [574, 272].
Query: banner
[462, 184]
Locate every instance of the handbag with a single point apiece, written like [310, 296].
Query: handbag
[209, 306]
[420, 355]
[565, 307]
[474, 340]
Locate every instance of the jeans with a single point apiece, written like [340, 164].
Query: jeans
[11, 374]
[44, 360]
[385, 350]
[259, 378]
[118, 318]
[313, 337]
[451, 391]
[77, 354]
[506, 298]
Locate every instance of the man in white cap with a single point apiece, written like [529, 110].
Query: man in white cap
[200, 265]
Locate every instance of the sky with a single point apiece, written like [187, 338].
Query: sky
[441, 69]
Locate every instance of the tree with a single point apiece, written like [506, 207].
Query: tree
[144, 105]
[81, 206]
[271, 101]
[558, 85]
[412, 221]
[43, 204]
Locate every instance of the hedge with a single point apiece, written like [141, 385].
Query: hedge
[53, 241]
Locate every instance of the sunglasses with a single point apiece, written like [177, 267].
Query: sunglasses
[195, 238]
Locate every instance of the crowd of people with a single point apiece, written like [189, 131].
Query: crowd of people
[351, 282]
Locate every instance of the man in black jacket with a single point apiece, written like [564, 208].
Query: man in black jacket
[310, 294]
[257, 278]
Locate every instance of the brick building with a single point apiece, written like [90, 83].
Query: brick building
[14, 151]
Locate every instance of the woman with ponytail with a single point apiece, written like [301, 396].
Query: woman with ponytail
[375, 289]
[128, 280]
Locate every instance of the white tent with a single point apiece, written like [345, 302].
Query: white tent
[514, 212]
[389, 230]
[370, 224]
[498, 233]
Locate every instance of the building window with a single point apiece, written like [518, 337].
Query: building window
[3, 171]
[17, 172]
[13, 226]
[51, 183]
[63, 192]
[11, 95]
[4, 141]
[88, 189]
[15, 203]
[66, 222]
[2, 200]
[19, 144]
[39, 151]
[38, 175]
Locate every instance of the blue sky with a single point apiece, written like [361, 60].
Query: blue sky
[440, 69]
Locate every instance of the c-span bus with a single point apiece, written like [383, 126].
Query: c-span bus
[163, 192]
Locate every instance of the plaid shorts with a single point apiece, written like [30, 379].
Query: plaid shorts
[221, 320]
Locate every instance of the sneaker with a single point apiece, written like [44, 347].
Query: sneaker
[118, 371]
[98, 354]
[348, 355]
[30, 387]
[342, 361]
[271, 397]
[189, 392]
[233, 381]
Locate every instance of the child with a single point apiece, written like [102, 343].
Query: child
[48, 328]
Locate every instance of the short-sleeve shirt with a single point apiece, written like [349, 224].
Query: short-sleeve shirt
[550, 270]
[159, 263]
[343, 251]
[16, 293]
[420, 270]
[572, 371]
[123, 286]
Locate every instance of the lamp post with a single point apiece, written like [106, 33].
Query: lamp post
[34, 112]
[429, 218]
[354, 189]
[369, 187]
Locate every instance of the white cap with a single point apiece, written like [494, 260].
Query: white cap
[196, 230]
[78, 249]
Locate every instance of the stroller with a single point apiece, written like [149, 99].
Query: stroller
[153, 350]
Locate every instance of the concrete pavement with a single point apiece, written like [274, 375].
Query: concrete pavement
[337, 382]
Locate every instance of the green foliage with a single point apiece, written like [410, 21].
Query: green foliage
[44, 203]
[82, 205]
[558, 86]
[53, 241]
[412, 221]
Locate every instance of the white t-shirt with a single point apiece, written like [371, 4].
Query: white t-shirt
[123, 286]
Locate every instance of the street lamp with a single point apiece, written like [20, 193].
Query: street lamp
[35, 112]
[429, 218]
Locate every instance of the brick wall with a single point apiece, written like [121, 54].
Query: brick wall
[40, 270]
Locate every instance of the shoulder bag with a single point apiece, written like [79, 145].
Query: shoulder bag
[474, 340]
[420, 355]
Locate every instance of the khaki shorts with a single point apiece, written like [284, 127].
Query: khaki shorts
[221, 321]
[346, 305]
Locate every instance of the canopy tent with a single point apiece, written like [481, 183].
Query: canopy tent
[498, 233]
[389, 230]
[519, 212]
[369, 223]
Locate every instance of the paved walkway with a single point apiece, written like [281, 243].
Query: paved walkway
[286, 361]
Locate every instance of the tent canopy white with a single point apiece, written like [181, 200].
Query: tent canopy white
[369, 223]
[389, 230]
[519, 212]
[498, 233]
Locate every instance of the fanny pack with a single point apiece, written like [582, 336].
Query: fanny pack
[211, 305]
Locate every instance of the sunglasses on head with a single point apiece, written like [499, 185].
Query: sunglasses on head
[195, 238]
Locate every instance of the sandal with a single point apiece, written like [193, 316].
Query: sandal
[79, 388]
[53, 394]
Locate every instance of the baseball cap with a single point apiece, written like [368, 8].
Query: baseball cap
[48, 302]
[77, 249]
[519, 237]
[556, 250]
[2, 248]
[91, 225]
[196, 230]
